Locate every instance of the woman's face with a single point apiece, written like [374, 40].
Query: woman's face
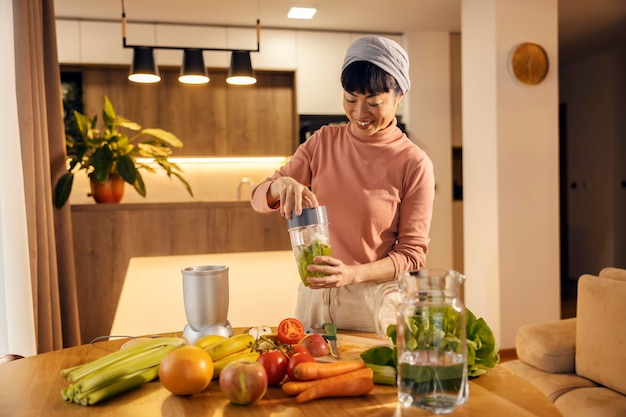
[370, 114]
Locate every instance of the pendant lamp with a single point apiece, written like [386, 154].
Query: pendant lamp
[240, 71]
[143, 68]
[193, 70]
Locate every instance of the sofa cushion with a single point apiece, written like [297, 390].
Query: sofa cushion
[551, 385]
[550, 346]
[601, 331]
[613, 273]
[592, 402]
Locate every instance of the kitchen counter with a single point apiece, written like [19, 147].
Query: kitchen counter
[107, 236]
[31, 387]
[262, 285]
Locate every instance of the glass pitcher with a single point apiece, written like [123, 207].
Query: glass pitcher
[431, 342]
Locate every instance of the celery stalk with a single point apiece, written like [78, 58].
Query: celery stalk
[383, 374]
[68, 393]
[139, 362]
[78, 372]
[125, 383]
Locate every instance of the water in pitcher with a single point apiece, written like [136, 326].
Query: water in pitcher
[431, 338]
[432, 380]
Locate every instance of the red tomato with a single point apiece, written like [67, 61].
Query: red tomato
[297, 349]
[295, 360]
[275, 364]
[290, 331]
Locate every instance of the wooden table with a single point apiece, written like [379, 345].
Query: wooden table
[31, 387]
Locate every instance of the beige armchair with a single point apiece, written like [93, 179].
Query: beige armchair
[580, 363]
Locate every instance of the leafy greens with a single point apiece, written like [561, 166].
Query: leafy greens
[482, 351]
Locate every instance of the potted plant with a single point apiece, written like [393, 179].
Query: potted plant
[110, 156]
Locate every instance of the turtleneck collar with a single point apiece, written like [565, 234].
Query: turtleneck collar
[389, 134]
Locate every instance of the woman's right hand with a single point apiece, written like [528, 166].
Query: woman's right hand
[292, 196]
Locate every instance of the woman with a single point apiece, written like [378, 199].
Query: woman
[377, 186]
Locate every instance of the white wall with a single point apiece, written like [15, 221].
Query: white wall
[429, 121]
[510, 163]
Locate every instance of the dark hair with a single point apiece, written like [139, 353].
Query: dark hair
[363, 77]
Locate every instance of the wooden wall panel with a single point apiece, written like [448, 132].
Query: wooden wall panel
[213, 119]
[196, 110]
[107, 236]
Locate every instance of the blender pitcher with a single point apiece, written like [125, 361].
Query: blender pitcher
[205, 297]
[309, 238]
[431, 340]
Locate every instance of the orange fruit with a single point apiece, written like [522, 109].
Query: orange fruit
[187, 370]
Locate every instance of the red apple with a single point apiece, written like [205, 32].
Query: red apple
[315, 344]
[243, 382]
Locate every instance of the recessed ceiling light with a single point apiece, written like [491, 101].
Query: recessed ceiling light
[301, 13]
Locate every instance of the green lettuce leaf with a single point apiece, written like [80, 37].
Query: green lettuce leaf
[482, 350]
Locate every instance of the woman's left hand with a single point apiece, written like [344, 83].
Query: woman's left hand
[337, 273]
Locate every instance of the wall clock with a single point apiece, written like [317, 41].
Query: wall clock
[529, 63]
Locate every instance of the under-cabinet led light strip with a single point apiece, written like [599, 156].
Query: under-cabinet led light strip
[220, 160]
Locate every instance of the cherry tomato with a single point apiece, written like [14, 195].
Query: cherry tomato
[297, 349]
[275, 364]
[290, 331]
[295, 360]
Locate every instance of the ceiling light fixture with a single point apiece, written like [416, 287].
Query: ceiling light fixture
[143, 69]
[240, 71]
[193, 71]
[301, 12]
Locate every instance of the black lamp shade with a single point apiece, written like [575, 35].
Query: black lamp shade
[240, 71]
[144, 69]
[193, 70]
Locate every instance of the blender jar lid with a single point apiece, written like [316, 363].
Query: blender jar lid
[309, 216]
[205, 270]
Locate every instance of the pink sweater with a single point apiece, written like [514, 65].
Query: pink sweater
[378, 191]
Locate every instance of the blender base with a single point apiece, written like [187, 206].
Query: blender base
[192, 335]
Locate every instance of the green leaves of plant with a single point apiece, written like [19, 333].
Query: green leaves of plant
[101, 153]
[63, 189]
[127, 170]
[165, 136]
[102, 160]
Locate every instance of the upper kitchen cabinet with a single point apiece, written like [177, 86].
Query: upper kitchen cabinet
[212, 120]
[314, 57]
[320, 56]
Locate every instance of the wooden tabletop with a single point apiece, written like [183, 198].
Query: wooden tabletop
[31, 387]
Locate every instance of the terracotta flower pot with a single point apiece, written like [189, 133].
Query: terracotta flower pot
[110, 191]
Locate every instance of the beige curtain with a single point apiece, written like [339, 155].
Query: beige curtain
[40, 114]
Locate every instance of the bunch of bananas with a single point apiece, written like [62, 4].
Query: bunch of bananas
[223, 350]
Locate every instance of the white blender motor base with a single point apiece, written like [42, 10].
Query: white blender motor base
[192, 335]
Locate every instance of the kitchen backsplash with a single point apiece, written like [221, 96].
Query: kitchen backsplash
[229, 179]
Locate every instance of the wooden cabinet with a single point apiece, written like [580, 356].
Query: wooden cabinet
[213, 119]
[106, 236]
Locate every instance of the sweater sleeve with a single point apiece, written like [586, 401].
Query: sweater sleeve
[298, 167]
[409, 251]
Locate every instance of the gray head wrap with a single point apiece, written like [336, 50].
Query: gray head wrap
[385, 53]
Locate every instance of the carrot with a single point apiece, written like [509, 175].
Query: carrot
[296, 387]
[307, 371]
[351, 384]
